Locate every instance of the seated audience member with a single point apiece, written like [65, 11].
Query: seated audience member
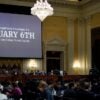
[40, 92]
[44, 92]
[59, 90]
[52, 92]
[56, 72]
[83, 92]
[2, 95]
[51, 73]
[16, 92]
[69, 92]
[30, 89]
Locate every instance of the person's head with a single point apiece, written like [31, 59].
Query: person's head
[85, 85]
[71, 85]
[42, 85]
[15, 84]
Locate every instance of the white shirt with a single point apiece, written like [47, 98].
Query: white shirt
[3, 97]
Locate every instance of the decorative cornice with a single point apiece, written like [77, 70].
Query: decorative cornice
[55, 41]
[63, 8]
[91, 8]
[53, 2]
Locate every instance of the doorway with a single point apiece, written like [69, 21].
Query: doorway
[54, 60]
[95, 43]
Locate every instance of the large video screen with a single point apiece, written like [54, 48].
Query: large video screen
[20, 36]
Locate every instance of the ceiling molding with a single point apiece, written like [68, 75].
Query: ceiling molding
[92, 8]
[63, 7]
[54, 2]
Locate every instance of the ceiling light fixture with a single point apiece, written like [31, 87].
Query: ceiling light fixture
[42, 9]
